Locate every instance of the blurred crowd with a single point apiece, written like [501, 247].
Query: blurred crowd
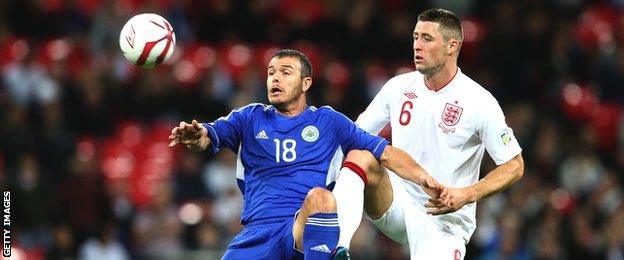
[84, 133]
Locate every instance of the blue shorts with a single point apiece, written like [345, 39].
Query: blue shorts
[268, 239]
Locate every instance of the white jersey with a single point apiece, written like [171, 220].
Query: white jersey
[446, 132]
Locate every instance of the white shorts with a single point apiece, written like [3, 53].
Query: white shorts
[425, 237]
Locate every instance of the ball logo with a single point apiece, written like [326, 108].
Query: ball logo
[150, 45]
[310, 133]
[130, 37]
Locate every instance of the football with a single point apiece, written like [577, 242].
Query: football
[147, 40]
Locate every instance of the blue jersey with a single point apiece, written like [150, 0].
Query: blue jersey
[281, 158]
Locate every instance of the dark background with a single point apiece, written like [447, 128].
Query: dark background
[83, 133]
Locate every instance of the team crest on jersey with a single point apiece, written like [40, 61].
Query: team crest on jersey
[310, 133]
[451, 114]
[450, 117]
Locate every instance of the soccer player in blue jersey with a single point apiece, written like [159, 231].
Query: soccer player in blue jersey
[288, 156]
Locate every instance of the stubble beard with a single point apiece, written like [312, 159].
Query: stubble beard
[284, 106]
[430, 70]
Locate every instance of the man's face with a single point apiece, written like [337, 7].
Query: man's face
[429, 47]
[284, 82]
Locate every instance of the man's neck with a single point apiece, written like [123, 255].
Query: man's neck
[292, 109]
[441, 78]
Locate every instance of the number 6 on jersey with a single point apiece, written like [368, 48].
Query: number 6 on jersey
[405, 112]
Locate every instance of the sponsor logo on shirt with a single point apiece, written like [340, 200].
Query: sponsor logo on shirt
[321, 248]
[310, 133]
[410, 95]
[262, 135]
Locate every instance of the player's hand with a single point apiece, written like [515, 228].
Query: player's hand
[432, 187]
[188, 134]
[451, 200]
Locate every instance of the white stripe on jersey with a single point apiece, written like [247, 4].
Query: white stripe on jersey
[240, 169]
[214, 133]
[377, 146]
[334, 166]
[241, 108]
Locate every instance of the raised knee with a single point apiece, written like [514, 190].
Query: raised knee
[361, 157]
[320, 200]
[366, 161]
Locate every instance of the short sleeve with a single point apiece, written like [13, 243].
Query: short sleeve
[227, 131]
[350, 136]
[495, 134]
[377, 114]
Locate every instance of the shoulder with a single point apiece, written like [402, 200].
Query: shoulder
[326, 110]
[480, 99]
[243, 112]
[329, 111]
[476, 92]
[323, 109]
[404, 79]
[399, 83]
[254, 107]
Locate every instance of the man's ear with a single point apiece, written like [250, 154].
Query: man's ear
[307, 83]
[453, 46]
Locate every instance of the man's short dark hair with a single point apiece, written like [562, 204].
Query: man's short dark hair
[306, 66]
[450, 24]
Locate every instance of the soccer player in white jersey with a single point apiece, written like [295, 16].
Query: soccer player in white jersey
[445, 121]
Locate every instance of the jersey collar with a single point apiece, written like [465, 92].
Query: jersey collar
[283, 117]
[449, 85]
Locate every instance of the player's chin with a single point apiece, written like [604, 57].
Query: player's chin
[423, 69]
[276, 101]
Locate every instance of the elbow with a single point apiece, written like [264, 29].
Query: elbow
[518, 167]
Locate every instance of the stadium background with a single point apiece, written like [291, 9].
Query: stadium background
[83, 133]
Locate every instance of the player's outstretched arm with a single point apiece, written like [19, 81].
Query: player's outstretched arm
[404, 165]
[503, 176]
[194, 136]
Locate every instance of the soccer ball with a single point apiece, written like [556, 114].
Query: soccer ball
[147, 40]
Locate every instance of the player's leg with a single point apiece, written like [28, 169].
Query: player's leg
[258, 241]
[363, 184]
[428, 239]
[437, 246]
[316, 227]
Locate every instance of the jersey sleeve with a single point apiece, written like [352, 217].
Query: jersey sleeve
[377, 114]
[350, 137]
[493, 131]
[227, 131]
